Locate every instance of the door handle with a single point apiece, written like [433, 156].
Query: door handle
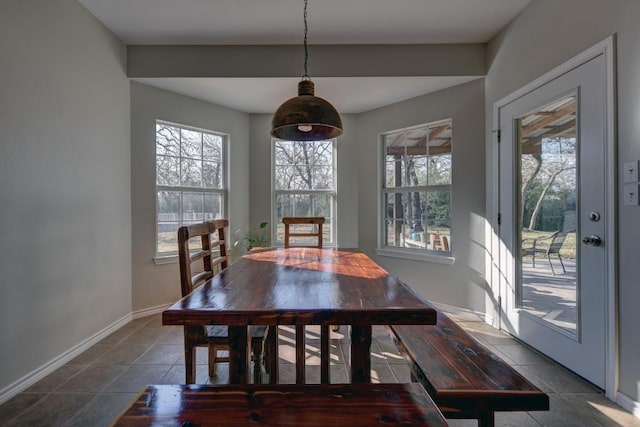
[592, 240]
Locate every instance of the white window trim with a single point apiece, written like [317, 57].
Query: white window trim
[172, 257]
[332, 192]
[416, 254]
[424, 255]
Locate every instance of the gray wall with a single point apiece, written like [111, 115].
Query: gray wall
[461, 284]
[546, 34]
[347, 161]
[65, 227]
[153, 284]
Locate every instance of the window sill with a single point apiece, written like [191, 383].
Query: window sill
[161, 260]
[416, 256]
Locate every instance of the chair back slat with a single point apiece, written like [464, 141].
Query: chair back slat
[557, 242]
[189, 253]
[315, 222]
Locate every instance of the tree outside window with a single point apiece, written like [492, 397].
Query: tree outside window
[416, 193]
[190, 180]
[549, 185]
[304, 185]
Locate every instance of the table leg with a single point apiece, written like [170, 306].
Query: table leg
[361, 354]
[239, 354]
[325, 354]
[300, 354]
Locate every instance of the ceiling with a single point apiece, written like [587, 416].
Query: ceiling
[246, 22]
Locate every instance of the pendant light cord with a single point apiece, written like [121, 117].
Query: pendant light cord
[306, 51]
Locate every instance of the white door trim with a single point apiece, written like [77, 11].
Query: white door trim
[606, 48]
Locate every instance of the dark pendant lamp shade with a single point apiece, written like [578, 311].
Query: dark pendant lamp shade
[306, 117]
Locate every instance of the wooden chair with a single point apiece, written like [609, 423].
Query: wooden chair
[315, 222]
[555, 242]
[213, 336]
[439, 242]
[315, 225]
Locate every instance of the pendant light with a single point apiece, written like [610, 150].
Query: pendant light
[306, 117]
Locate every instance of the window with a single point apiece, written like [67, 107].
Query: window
[416, 190]
[304, 183]
[190, 180]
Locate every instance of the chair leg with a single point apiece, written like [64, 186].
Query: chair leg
[564, 271]
[551, 265]
[271, 354]
[533, 260]
[257, 349]
[213, 354]
[267, 354]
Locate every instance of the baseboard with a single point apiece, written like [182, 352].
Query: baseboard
[472, 315]
[628, 404]
[149, 311]
[36, 375]
[39, 373]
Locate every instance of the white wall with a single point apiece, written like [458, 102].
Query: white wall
[153, 284]
[65, 222]
[461, 284]
[546, 34]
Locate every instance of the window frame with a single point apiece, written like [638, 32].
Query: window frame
[418, 254]
[171, 256]
[333, 193]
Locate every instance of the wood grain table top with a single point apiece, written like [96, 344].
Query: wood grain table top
[302, 286]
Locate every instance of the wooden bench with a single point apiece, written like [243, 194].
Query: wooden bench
[284, 405]
[464, 379]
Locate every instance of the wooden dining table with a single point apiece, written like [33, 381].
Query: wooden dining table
[301, 286]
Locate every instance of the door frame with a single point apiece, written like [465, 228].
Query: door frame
[495, 263]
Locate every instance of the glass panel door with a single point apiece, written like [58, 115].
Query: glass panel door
[548, 147]
[552, 195]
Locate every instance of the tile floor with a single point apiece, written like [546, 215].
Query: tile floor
[96, 386]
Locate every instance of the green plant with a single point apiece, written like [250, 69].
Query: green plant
[258, 238]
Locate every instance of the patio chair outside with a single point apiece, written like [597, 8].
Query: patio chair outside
[539, 246]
